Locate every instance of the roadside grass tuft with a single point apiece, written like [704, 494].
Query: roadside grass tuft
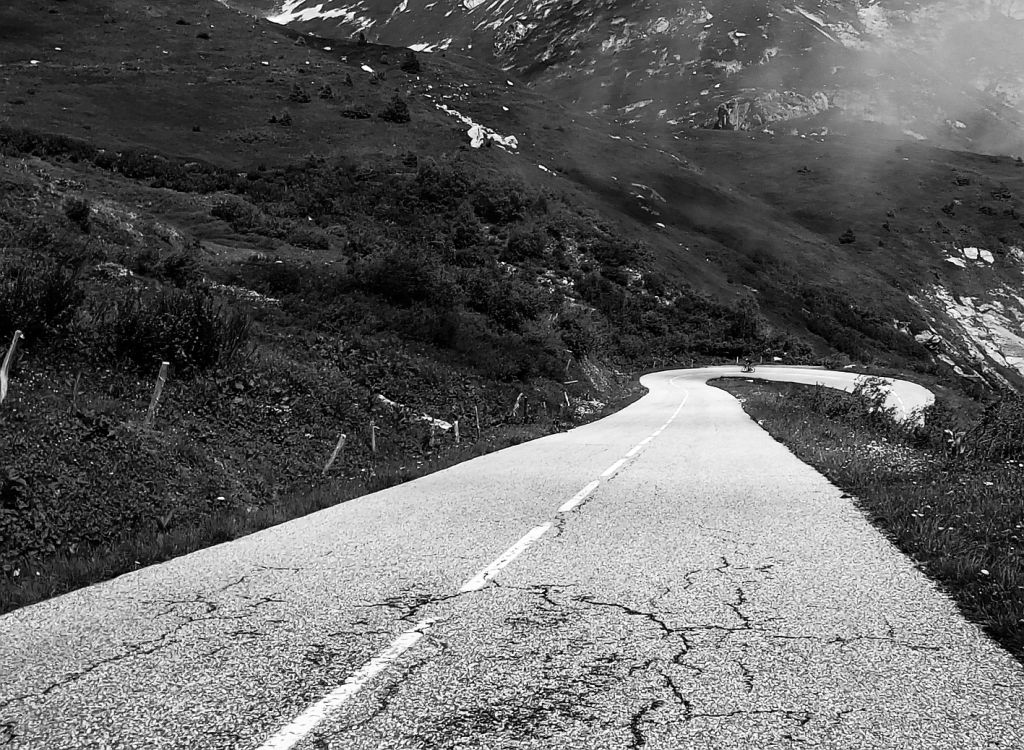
[949, 494]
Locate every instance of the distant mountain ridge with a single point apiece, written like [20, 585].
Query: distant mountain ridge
[947, 71]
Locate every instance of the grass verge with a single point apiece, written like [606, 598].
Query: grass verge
[949, 494]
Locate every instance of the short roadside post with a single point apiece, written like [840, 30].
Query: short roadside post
[161, 378]
[5, 369]
[339, 448]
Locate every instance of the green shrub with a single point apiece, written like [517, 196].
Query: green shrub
[298, 95]
[238, 212]
[410, 63]
[273, 279]
[615, 252]
[396, 111]
[525, 243]
[441, 182]
[499, 200]
[309, 237]
[16, 141]
[404, 276]
[179, 267]
[39, 298]
[77, 212]
[999, 434]
[186, 327]
[511, 303]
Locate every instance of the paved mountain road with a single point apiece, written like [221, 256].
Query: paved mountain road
[712, 592]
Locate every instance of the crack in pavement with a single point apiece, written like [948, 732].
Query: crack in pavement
[135, 649]
[643, 666]
[639, 739]
[209, 612]
[665, 628]
[737, 608]
[747, 674]
[410, 603]
[387, 693]
[561, 520]
[800, 717]
[846, 641]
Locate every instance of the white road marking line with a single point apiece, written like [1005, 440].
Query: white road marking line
[634, 450]
[613, 468]
[579, 497]
[304, 723]
[480, 580]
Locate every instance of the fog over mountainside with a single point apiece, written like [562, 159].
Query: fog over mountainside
[949, 71]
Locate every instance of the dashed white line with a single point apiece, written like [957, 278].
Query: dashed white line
[480, 580]
[613, 468]
[305, 722]
[579, 497]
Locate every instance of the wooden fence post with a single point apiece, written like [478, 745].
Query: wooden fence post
[6, 367]
[516, 407]
[456, 432]
[476, 409]
[74, 393]
[161, 378]
[373, 437]
[339, 448]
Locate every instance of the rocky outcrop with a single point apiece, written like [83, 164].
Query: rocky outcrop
[762, 110]
[507, 38]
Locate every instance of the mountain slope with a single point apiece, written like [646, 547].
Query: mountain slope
[723, 213]
[948, 70]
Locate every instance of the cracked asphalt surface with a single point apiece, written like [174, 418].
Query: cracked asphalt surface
[714, 593]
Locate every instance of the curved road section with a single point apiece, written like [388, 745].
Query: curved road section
[668, 577]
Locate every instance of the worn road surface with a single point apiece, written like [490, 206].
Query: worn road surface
[668, 577]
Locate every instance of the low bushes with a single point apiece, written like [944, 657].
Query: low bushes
[38, 297]
[396, 111]
[188, 326]
[185, 326]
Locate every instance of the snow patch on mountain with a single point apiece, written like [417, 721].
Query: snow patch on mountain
[292, 11]
[479, 135]
[428, 47]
